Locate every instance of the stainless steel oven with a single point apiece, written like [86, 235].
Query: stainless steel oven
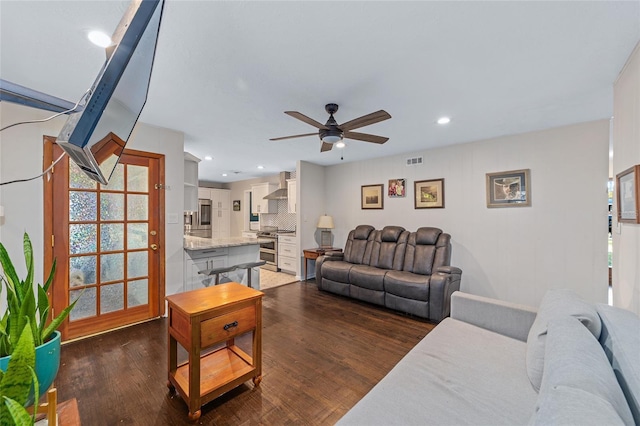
[198, 223]
[268, 240]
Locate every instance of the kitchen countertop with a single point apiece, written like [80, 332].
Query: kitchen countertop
[197, 243]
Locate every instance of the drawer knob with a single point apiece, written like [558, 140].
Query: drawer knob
[231, 324]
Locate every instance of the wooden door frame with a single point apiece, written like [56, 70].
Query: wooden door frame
[48, 159]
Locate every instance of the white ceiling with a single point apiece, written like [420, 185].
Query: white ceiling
[226, 71]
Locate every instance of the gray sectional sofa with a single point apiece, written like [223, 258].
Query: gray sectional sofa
[402, 270]
[498, 363]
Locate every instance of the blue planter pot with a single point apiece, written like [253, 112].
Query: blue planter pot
[47, 364]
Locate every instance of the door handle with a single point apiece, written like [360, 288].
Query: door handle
[154, 247]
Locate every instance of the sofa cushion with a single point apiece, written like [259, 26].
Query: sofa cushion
[358, 246]
[620, 339]
[427, 236]
[337, 271]
[407, 284]
[556, 303]
[362, 232]
[578, 383]
[391, 233]
[458, 374]
[367, 277]
[388, 248]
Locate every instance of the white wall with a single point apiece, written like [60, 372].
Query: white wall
[513, 254]
[626, 153]
[21, 156]
[312, 203]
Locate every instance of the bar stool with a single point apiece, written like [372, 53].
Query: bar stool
[217, 272]
[249, 266]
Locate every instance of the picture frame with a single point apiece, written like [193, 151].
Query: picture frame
[628, 195]
[236, 205]
[428, 194]
[509, 189]
[372, 196]
[397, 188]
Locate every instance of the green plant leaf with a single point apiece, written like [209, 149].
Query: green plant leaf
[28, 313]
[18, 414]
[36, 390]
[7, 267]
[53, 325]
[47, 284]
[43, 310]
[27, 284]
[17, 380]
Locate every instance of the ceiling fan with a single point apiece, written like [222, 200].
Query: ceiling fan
[332, 132]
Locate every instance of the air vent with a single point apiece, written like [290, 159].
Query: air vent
[414, 161]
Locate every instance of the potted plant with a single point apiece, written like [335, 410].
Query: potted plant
[26, 310]
[16, 382]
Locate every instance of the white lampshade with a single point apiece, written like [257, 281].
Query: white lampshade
[325, 222]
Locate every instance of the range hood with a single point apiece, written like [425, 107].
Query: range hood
[282, 192]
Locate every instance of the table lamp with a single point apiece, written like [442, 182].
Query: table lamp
[326, 223]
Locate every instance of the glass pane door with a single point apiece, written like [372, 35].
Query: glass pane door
[111, 251]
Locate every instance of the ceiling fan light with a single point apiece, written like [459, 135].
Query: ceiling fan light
[340, 144]
[331, 138]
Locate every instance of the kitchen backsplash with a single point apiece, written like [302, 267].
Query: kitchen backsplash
[283, 219]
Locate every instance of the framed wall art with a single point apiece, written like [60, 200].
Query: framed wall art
[429, 194]
[372, 196]
[509, 189]
[397, 188]
[628, 195]
[236, 205]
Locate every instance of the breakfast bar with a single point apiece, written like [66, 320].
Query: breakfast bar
[203, 254]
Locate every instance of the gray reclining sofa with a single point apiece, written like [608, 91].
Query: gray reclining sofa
[401, 270]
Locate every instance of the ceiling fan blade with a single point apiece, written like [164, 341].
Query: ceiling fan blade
[302, 117]
[326, 147]
[294, 136]
[365, 137]
[365, 120]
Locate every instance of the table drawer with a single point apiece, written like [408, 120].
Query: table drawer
[227, 326]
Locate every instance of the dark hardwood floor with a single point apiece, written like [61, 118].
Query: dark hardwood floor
[321, 354]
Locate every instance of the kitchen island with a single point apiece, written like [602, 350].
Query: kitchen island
[207, 253]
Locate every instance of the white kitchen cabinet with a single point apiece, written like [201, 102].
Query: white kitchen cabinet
[288, 253]
[292, 196]
[221, 199]
[204, 193]
[190, 182]
[247, 234]
[258, 203]
[201, 261]
[220, 223]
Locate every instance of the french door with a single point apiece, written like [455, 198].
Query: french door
[108, 243]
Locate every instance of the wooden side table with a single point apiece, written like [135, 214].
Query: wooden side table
[313, 254]
[206, 317]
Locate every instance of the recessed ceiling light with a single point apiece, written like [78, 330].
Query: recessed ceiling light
[444, 120]
[261, 167]
[224, 174]
[99, 38]
[340, 144]
[208, 157]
